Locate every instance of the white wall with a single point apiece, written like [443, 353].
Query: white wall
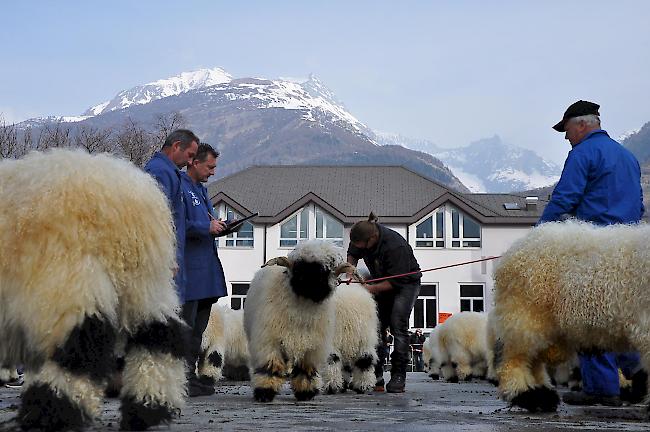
[240, 264]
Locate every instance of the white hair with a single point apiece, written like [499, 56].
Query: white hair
[589, 119]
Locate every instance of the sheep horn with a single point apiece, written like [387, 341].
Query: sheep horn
[280, 261]
[348, 268]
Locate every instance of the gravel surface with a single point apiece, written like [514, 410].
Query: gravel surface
[426, 406]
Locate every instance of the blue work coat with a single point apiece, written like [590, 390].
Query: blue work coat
[169, 178]
[205, 276]
[600, 183]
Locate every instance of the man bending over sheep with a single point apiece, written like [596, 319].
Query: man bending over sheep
[386, 253]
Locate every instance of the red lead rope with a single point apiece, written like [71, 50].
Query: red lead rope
[349, 281]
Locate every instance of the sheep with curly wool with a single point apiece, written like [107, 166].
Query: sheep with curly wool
[88, 251]
[356, 335]
[565, 287]
[289, 318]
[462, 347]
[431, 354]
[224, 345]
[7, 374]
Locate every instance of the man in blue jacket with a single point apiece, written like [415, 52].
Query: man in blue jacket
[204, 277]
[600, 183]
[179, 147]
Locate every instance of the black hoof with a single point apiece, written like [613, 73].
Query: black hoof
[453, 379]
[331, 390]
[542, 399]
[434, 377]
[305, 395]
[137, 417]
[43, 409]
[263, 394]
[494, 382]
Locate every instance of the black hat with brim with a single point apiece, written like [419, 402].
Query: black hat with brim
[577, 109]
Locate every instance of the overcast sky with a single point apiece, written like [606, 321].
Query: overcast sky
[449, 71]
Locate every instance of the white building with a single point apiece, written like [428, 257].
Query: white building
[442, 226]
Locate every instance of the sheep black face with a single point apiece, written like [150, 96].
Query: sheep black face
[311, 280]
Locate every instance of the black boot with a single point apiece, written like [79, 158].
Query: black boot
[397, 382]
[196, 388]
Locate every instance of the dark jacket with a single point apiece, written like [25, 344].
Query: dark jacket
[168, 177]
[600, 183]
[204, 273]
[392, 255]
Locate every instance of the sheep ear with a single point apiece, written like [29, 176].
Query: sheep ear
[280, 261]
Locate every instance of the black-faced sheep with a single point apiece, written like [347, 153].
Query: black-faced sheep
[87, 246]
[289, 319]
[352, 361]
[224, 346]
[569, 286]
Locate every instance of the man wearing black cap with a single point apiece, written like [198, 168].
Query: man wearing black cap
[600, 183]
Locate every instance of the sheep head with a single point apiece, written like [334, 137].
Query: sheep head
[315, 264]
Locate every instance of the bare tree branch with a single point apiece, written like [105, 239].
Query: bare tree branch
[94, 140]
[135, 143]
[166, 124]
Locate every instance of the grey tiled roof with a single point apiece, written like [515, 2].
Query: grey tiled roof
[394, 193]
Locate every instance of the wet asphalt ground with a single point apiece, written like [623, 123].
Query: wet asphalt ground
[426, 406]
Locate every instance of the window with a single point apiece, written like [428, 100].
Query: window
[425, 311]
[426, 235]
[465, 232]
[295, 229]
[471, 298]
[238, 296]
[328, 228]
[243, 237]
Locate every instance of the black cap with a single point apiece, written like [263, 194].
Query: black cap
[577, 109]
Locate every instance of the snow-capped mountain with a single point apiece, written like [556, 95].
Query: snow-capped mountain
[256, 121]
[423, 145]
[488, 165]
[172, 86]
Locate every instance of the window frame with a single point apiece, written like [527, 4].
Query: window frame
[298, 215]
[240, 297]
[436, 236]
[234, 237]
[425, 312]
[338, 241]
[471, 299]
[460, 241]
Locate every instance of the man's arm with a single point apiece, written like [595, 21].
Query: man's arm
[569, 190]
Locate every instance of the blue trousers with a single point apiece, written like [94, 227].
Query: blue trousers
[600, 372]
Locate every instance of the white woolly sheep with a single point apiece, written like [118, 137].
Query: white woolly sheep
[431, 354]
[356, 335]
[289, 318]
[569, 286]
[88, 251]
[462, 347]
[224, 344]
[7, 374]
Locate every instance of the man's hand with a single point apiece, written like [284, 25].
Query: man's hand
[216, 226]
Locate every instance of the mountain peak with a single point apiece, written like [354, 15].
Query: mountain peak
[161, 88]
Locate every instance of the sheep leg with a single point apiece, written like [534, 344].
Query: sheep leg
[66, 393]
[332, 374]
[211, 365]
[521, 380]
[267, 378]
[479, 369]
[154, 374]
[363, 372]
[305, 380]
